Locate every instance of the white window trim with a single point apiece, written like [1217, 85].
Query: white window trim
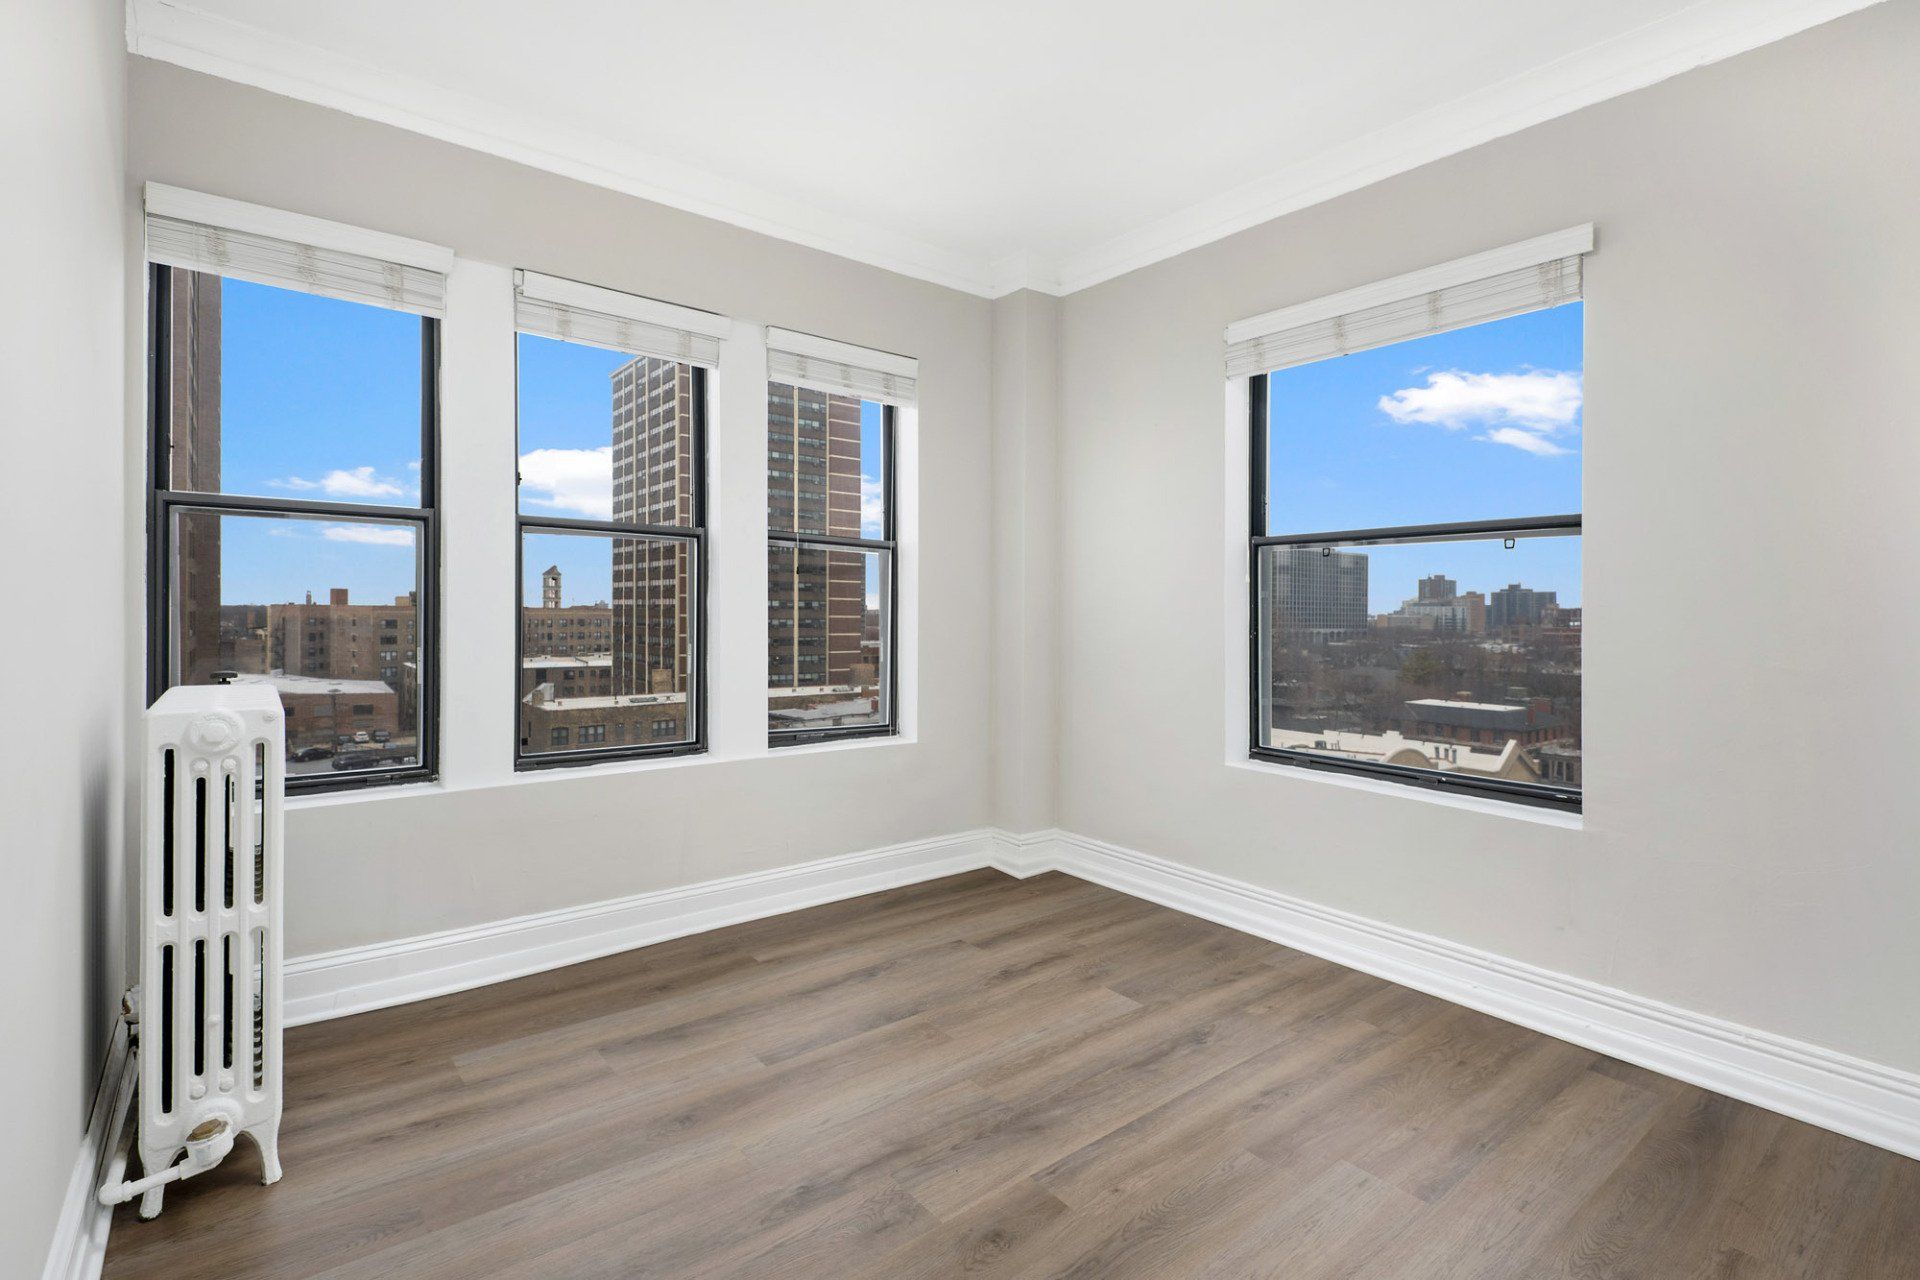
[480, 525]
[1237, 479]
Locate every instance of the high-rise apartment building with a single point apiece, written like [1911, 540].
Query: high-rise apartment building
[1316, 593]
[1516, 606]
[655, 474]
[816, 599]
[193, 372]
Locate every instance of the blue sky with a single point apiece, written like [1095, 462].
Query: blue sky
[319, 399]
[1476, 424]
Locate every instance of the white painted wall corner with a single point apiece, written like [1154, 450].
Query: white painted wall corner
[79, 1245]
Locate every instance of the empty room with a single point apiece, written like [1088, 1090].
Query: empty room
[871, 642]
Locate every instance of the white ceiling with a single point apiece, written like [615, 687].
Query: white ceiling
[989, 144]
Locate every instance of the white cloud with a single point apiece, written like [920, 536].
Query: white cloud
[1538, 399]
[873, 508]
[579, 481]
[358, 482]
[1518, 409]
[373, 535]
[1539, 446]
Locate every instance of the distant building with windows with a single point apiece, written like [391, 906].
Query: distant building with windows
[193, 374]
[340, 640]
[1439, 606]
[557, 630]
[655, 479]
[817, 615]
[1529, 724]
[1314, 593]
[1516, 606]
[331, 714]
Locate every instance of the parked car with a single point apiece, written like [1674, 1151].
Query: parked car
[374, 757]
[382, 735]
[311, 753]
[363, 736]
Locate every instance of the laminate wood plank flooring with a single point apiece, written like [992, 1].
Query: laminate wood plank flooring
[987, 1077]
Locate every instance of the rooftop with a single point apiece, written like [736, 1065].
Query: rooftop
[1456, 704]
[601, 701]
[1418, 753]
[284, 683]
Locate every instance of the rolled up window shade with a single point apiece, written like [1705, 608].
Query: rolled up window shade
[573, 312]
[1539, 273]
[803, 360]
[267, 246]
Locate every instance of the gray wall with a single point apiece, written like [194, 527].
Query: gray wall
[390, 867]
[62, 97]
[1751, 554]
[1025, 535]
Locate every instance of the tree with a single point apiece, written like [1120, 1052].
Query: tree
[1421, 669]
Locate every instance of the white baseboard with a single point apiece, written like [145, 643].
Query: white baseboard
[354, 980]
[1864, 1100]
[80, 1237]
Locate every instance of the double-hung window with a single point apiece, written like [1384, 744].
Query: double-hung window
[1414, 543]
[833, 551]
[292, 535]
[612, 413]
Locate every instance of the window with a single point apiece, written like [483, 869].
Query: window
[612, 420]
[832, 556]
[293, 394]
[1414, 553]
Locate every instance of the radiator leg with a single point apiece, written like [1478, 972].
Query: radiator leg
[151, 1162]
[268, 1138]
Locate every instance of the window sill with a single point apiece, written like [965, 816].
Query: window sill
[1473, 804]
[610, 768]
[776, 751]
[360, 795]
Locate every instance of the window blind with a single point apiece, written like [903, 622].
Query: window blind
[268, 246]
[575, 312]
[825, 365]
[1535, 274]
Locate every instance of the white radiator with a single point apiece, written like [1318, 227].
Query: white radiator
[210, 948]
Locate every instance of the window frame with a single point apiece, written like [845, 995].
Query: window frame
[163, 501]
[525, 761]
[889, 544]
[1569, 524]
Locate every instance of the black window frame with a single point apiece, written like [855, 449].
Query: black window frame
[1567, 524]
[888, 543]
[695, 536]
[163, 502]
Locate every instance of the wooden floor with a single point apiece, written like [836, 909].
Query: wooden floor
[989, 1077]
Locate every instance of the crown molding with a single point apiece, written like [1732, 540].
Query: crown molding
[1703, 33]
[218, 46]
